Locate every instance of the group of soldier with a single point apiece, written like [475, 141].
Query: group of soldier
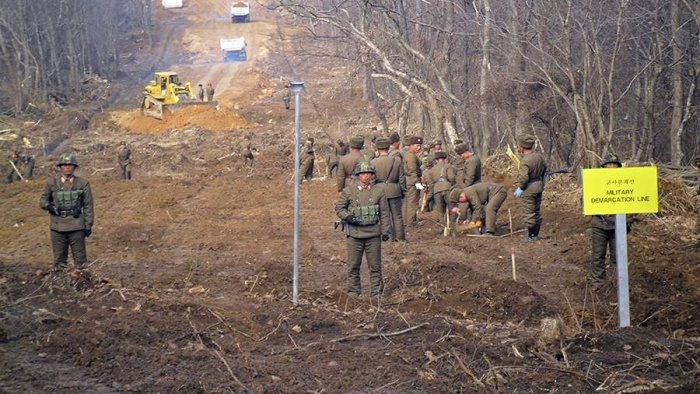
[209, 91]
[383, 187]
[21, 167]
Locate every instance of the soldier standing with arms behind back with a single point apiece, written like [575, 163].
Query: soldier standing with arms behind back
[307, 160]
[364, 210]
[68, 199]
[529, 184]
[124, 158]
[389, 174]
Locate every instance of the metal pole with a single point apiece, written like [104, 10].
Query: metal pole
[296, 88]
[623, 293]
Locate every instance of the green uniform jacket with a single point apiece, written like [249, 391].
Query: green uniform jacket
[479, 195]
[83, 205]
[469, 172]
[530, 176]
[411, 167]
[389, 173]
[124, 157]
[346, 167]
[440, 177]
[352, 197]
[307, 153]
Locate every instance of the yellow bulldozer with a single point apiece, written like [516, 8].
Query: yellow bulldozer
[166, 90]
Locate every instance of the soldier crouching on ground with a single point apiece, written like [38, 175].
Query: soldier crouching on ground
[364, 211]
[484, 199]
[68, 199]
[603, 234]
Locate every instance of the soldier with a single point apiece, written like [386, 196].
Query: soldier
[488, 195]
[469, 168]
[603, 234]
[124, 159]
[26, 166]
[338, 149]
[440, 178]
[370, 152]
[210, 92]
[287, 97]
[68, 199]
[395, 147]
[412, 170]
[364, 210]
[347, 163]
[389, 174]
[11, 174]
[248, 156]
[200, 92]
[529, 184]
[307, 160]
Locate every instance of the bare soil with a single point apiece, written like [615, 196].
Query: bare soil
[189, 284]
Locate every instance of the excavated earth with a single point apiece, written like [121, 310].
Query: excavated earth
[190, 277]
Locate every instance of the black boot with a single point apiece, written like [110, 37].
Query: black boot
[533, 233]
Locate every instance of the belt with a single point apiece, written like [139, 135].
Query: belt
[64, 214]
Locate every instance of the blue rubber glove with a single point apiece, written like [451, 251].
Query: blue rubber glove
[518, 192]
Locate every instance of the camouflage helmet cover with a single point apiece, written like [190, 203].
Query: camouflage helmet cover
[610, 158]
[67, 158]
[364, 166]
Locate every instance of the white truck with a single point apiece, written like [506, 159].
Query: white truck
[167, 4]
[233, 49]
[240, 12]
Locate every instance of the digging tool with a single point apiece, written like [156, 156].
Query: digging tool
[512, 248]
[446, 230]
[424, 199]
[513, 156]
[17, 171]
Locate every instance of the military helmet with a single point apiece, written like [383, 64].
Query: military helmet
[67, 158]
[610, 158]
[364, 166]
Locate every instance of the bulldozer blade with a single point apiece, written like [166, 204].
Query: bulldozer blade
[152, 108]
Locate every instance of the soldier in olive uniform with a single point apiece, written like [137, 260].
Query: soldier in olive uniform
[11, 174]
[338, 149]
[68, 199]
[248, 155]
[440, 178]
[389, 174]
[124, 158]
[603, 234]
[529, 184]
[484, 200]
[364, 210]
[287, 97]
[307, 160]
[412, 170]
[347, 163]
[210, 92]
[469, 167]
[395, 146]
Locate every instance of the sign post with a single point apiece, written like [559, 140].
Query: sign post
[621, 191]
[296, 88]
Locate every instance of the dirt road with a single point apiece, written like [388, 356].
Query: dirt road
[191, 265]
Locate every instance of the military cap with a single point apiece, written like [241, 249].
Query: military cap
[67, 158]
[382, 143]
[122, 143]
[440, 155]
[435, 142]
[610, 158]
[394, 137]
[458, 141]
[461, 148]
[310, 139]
[357, 142]
[454, 195]
[364, 166]
[526, 141]
[412, 140]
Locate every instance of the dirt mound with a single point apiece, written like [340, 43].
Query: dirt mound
[201, 116]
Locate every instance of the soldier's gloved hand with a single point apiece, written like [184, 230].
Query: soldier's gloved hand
[518, 192]
[385, 237]
[629, 227]
[87, 231]
[350, 219]
[53, 210]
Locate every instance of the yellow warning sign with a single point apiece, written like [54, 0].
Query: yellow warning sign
[608, 191]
